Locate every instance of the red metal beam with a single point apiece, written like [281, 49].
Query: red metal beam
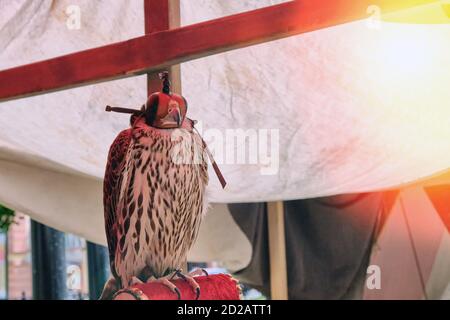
[159, 50]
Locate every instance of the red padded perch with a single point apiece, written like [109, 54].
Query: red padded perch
[212, 287]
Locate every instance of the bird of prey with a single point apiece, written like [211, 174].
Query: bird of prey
[154, 189]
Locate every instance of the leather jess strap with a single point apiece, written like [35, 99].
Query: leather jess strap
[211, 158]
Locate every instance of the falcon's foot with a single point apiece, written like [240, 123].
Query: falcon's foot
[189, 278]
[166, 281]
[178, 274]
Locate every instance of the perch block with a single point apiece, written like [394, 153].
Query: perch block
[212, 287]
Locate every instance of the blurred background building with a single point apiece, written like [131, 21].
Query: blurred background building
[16, 273]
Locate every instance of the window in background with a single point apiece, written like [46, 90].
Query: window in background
[77, 268]
[20, 283]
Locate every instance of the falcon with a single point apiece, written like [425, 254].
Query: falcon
[154, 188]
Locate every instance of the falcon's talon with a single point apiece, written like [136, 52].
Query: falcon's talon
[205, 272]
[189, 278]
[197, 291]
[177, 291]
[166, 282]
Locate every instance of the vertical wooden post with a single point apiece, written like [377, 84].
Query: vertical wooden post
[163, 15]
[277, 251]
[6, 266]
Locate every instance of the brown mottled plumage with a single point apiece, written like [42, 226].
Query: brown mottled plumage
[153, 198]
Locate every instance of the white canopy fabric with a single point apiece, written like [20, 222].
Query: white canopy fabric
[353, 108]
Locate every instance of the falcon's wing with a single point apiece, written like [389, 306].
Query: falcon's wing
[111, 189]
